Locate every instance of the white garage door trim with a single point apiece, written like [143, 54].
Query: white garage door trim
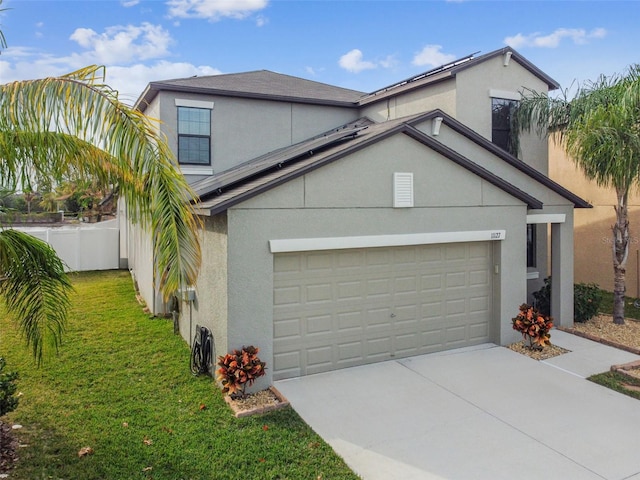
[367, 241]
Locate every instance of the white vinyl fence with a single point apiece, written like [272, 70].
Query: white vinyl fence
[83, 247]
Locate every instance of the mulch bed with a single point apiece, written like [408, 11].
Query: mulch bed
[260, 402]
[549, 351]
[602, 329]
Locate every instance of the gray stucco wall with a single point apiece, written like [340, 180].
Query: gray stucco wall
[210, 306]
[243, 129]
[474, 86]
[440, 95]
[448, 198]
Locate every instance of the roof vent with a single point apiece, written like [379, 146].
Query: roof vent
[402, 190]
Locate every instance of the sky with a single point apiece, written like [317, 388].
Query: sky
[358, 44]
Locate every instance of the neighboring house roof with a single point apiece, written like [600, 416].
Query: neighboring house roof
[257, 84]
[238, 184]
[450, 70]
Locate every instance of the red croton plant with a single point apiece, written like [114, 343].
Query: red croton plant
[239, 369]
[534, 326]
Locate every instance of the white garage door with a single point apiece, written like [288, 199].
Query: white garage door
[340, 308]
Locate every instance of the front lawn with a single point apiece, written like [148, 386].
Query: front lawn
[630, 310]
[121, 385]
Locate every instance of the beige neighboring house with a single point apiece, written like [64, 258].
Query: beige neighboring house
[593, 241]
[342, 228]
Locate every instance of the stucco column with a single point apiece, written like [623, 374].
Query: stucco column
[562, 274]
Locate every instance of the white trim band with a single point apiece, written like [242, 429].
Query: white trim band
[338, 243]
[189, 170]
[547, 218]
[494, 93]
[183, 102]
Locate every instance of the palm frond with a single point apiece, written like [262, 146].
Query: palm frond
[35, 289]
[76, 122]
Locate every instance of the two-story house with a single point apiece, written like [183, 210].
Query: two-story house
[343, 227]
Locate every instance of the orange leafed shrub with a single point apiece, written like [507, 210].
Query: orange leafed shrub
[239, 369]
[533, 326]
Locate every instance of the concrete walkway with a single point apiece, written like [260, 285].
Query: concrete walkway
[479, 413]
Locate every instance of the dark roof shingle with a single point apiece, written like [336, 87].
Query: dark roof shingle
[257, 84]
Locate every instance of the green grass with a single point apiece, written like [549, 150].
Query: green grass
[122, 378]
[617, 381]
[629, 310]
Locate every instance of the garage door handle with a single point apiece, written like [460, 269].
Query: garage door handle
[393, 315]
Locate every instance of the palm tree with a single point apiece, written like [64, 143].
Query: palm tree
[599, 130]
[75, 126]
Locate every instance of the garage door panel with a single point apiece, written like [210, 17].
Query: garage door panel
[287, 328]
[287, 296]
[343, 308]
[320, 292]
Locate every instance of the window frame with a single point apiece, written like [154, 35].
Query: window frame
[184, 108]
[532, 248]
[511, 103]
[201, 168]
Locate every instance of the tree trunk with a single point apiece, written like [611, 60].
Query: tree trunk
[620, 253]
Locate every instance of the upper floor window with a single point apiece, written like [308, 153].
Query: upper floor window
[501, 122]
[194, 135]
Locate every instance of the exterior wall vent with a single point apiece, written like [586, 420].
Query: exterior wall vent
[402, 190]
[435, 127]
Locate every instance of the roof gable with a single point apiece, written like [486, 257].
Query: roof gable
[503, 155]
[450, 70]
[236, 185]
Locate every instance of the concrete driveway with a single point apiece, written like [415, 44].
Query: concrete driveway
[479, 413]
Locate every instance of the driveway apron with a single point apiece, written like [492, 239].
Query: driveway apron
[478, 413]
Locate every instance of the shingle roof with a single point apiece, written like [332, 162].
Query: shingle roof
[257, 166]
[257, 84]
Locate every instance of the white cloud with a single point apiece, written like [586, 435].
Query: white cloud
[214, 10]
[579, 36]
[130, 81]
[389, 62]
[261, 21]
[129, 3]
[353, 62]
[123, 44]
[431, 55]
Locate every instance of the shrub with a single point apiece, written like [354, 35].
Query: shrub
[533, 325]
[239, 369]
[587, 299]
[8, 387]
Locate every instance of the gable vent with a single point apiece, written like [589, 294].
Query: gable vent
[402, 190]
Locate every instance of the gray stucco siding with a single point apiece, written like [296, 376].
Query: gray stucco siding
[315, 206]
[210, 306]
[474, 102]
[250, 275]
[243, 129]
[495, 164]
[440, 95]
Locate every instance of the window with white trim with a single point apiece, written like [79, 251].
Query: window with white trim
[501, 123]
[194, 135]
